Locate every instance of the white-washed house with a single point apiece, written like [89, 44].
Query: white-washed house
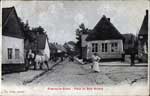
[143, 40]
[105, 40]
[12, 41]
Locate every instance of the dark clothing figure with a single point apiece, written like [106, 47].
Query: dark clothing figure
[62, 58]
[123, 57]
[30, 58]
[71, 58]
[132, 59]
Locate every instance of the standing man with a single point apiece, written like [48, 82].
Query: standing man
[132, 57]
[123, 56]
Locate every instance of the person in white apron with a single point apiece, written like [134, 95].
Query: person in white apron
[96, 59]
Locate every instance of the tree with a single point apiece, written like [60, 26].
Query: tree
[38, 30]
[79, 31]
[25, 28]
[30, 34]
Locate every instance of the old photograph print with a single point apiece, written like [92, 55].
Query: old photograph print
[75, 48]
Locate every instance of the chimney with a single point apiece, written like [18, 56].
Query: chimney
[108, 19]
[104, 16]
[147, 12]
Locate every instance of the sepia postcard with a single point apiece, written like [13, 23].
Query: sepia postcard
[74, 48]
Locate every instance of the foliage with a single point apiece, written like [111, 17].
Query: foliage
[30, 34]
[79, 31]
[130, 43]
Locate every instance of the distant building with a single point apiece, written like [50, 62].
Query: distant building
[53, 50]
[130, 43]
[143, 40]
[70, 47]
[12, 41]
[105, 40]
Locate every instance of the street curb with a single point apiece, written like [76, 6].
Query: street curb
[78, 61]
[39, 75]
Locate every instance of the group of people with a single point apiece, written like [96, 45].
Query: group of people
[34, 59]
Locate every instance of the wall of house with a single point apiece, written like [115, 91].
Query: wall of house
[84, 42]
[143, 50]
[14, 43]
[47, 50]
[109, 54]
[84, 45]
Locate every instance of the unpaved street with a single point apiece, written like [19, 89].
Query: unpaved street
[75, 74]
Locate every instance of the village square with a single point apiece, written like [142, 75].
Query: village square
[98, 56]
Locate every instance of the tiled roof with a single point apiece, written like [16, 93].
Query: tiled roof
[41, 41]
[5, 13]
[104, 30]
[39, 44]
[10, 23]
[144, 27]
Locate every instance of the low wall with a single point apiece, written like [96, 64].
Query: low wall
[10, 68]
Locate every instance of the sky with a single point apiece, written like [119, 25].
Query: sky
[60, 19]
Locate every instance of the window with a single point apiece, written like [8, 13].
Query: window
[114, 47]
[17, 52]
[94, 47]
[104, 47]
[9, 53]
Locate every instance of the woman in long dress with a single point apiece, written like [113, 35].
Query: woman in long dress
[96, 60]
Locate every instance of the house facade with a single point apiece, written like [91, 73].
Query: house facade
[84, 45]
[143, 40]
[53, 50]
[105, 40]
[12, 42]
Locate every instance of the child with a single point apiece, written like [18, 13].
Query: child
[95, 59]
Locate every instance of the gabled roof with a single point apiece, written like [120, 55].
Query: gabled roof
[104, 30]
[10, 23]
[5, 13]
[144, 27]
[38, 44]
[41, 41]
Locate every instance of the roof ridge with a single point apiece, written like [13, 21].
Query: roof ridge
[144, 27]
[105, 27]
